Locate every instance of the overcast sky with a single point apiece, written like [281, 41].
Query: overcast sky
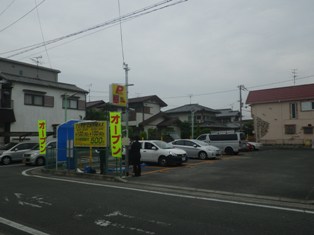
[198, 51]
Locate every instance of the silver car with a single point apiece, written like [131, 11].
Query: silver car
[197, 148]
[33, 157]
[14, 152]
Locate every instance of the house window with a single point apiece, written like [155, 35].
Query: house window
[32, 99]
[72, 103]
[37, 98]
[147, 110]
[308, 130]
[290, 129]
[293, 110]
[307, 106]
[132, 116]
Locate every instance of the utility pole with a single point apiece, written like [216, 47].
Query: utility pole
[294, 72]
[241, 88]
[192, 123]
[126, 69]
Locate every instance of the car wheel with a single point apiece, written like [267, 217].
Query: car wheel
[202, 155]
[6, 160]
[40, 161]
[229, 151]
[162, 161]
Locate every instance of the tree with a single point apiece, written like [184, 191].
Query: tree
[185, 130]
[92, 114]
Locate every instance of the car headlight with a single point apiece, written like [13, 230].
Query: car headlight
[35, 154]
[172, 153]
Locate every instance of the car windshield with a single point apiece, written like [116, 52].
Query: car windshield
[36, 147]
[201, 143]
[7, 146]
[162, 144]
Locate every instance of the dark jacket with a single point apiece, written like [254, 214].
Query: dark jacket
[135, 152]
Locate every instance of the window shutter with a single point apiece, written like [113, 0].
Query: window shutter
[81, 104]
[49, 101]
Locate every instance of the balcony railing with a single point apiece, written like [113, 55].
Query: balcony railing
[6, 104]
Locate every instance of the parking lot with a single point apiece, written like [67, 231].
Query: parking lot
[282, 173]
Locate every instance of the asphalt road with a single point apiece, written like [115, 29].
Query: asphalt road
[281, 173]
[48, 205]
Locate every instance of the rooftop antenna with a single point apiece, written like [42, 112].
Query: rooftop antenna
[37, 61]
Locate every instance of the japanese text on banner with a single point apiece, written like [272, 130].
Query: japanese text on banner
[42, 136]
[115, 134]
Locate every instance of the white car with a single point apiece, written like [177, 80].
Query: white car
[256, 145]
[197, 149]
[157, 151]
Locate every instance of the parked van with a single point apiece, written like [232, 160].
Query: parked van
[230, 143]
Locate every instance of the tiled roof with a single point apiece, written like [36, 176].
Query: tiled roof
[281, 94]
[146, 98]
[95, 103]
[227, 113]
[40, 82]
[190, 108]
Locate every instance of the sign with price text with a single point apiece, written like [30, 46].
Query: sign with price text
[90, 134]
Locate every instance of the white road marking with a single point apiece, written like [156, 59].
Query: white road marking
[305, 211]
[37, 199]
[11, 165]
[107, 223]
[21, 227]
[118, 213]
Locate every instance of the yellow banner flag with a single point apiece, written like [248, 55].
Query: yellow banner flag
[115, 134]
[42, 135]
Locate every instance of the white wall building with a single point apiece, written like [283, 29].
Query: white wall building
[29, 93]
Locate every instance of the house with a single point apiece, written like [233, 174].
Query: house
[143, 108]
[165, 126]
[29, 93]
[227, 116]
[145, 115]
[283, 115]
[204, 117]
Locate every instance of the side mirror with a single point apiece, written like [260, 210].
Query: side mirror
[154, 148]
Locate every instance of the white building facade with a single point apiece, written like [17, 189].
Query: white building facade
[29, 93]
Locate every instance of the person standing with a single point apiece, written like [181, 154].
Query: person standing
[135, 155]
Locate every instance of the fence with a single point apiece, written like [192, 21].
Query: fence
[87, 160]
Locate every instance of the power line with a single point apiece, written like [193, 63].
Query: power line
[14, 22]
[42, 34]
[5, 9]
[235, 90]
[273, 83]
[132, 15]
